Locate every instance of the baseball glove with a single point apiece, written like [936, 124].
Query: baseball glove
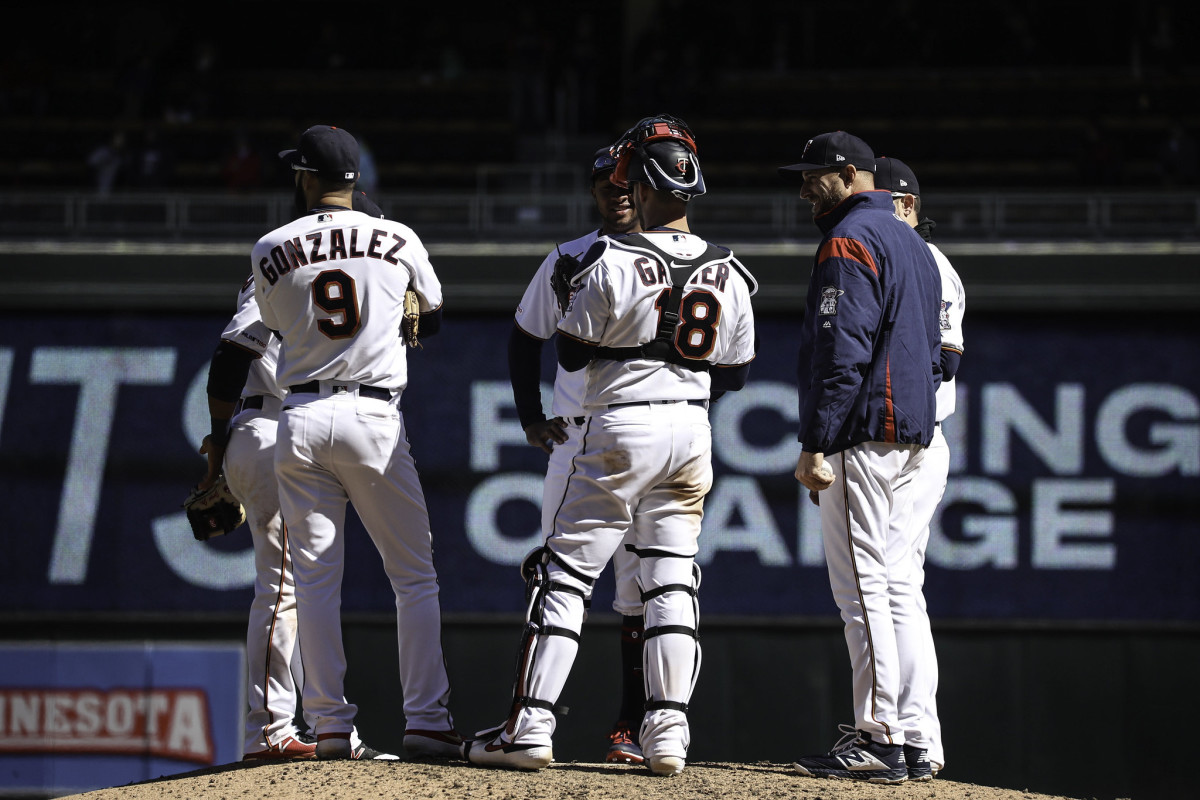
[565, 268]
[213, 511]
[412, 318]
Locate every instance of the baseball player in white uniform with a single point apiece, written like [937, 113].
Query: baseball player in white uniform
[537, 318]
[244, 401]
[659, 322]
[332, 285]
[918, 659]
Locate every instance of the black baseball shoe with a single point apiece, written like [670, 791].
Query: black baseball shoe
[364, 752]
[856, 757]
[917, 760]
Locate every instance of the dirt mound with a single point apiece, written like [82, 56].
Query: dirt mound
[421, 780]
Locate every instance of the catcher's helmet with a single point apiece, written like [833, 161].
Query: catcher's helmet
[660, 151]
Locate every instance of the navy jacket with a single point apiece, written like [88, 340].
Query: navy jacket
[870, 342]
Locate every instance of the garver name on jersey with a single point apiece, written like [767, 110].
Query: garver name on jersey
[329, 245]
[650, 276]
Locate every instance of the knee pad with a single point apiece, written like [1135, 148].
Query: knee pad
[557, 599]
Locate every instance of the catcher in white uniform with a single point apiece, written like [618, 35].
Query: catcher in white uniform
[918, 658]
[332, 285]
[537, 319]
[244, 401]
[659, 322]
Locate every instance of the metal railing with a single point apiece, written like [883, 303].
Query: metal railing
[480, 216]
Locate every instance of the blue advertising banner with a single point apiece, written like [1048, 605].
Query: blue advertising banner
[1073, 492]
[76, 717]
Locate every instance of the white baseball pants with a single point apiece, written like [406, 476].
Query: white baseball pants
[335, 447]
[272, 659]
[641, 471]
[627, 600]
[866, 524]
[914, 639]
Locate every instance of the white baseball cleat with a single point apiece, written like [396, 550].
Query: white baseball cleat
[666, 765]
[498, 753]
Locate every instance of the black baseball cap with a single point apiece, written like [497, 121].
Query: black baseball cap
[835, 149]
[895, 176]
[602, 162]
[328, 151]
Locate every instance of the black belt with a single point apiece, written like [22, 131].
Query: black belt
[577, 420]
[253, 401]
[314, 387]
[701, 403]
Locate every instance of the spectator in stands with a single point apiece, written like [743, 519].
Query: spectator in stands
[152, 164]
[1177, 157]
[242, 167]
[108, 163]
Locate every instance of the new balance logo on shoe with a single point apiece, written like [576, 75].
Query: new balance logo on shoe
[861, 759]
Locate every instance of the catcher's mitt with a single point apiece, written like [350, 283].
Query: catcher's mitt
[566, 267]
[412, 318]
[213, 511]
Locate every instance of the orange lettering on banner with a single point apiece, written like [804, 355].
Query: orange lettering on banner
[167, 723]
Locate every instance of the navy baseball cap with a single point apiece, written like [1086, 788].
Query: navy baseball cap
[895, 176]
[330, 152]
[602, 162]
[836, 149]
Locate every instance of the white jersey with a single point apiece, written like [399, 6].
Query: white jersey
[247, 330]
[618, 304]
[538, 315]
[954, 307]
[332, 284]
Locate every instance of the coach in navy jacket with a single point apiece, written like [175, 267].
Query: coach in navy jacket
[870, 345]
[869, 366]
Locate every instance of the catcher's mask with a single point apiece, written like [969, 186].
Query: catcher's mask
[660, 151]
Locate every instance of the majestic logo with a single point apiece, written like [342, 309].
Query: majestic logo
[829, 299]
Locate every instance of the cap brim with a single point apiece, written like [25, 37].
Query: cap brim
[292, 159]
[800, 168]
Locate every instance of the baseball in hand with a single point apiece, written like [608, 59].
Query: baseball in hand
[824, 471]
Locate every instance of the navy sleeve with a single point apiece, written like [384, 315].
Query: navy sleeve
[843, 317]
[728, 379]
[950, 362]
[524, 372]
[228, 370]
[430, 324]
[573, 354]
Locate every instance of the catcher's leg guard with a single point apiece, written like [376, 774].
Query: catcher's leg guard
[557, 598]
[672, 650]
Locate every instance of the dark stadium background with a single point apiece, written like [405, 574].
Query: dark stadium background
[1056, 146]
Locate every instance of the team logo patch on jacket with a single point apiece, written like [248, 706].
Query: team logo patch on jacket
[829, 299]
[945, 317]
